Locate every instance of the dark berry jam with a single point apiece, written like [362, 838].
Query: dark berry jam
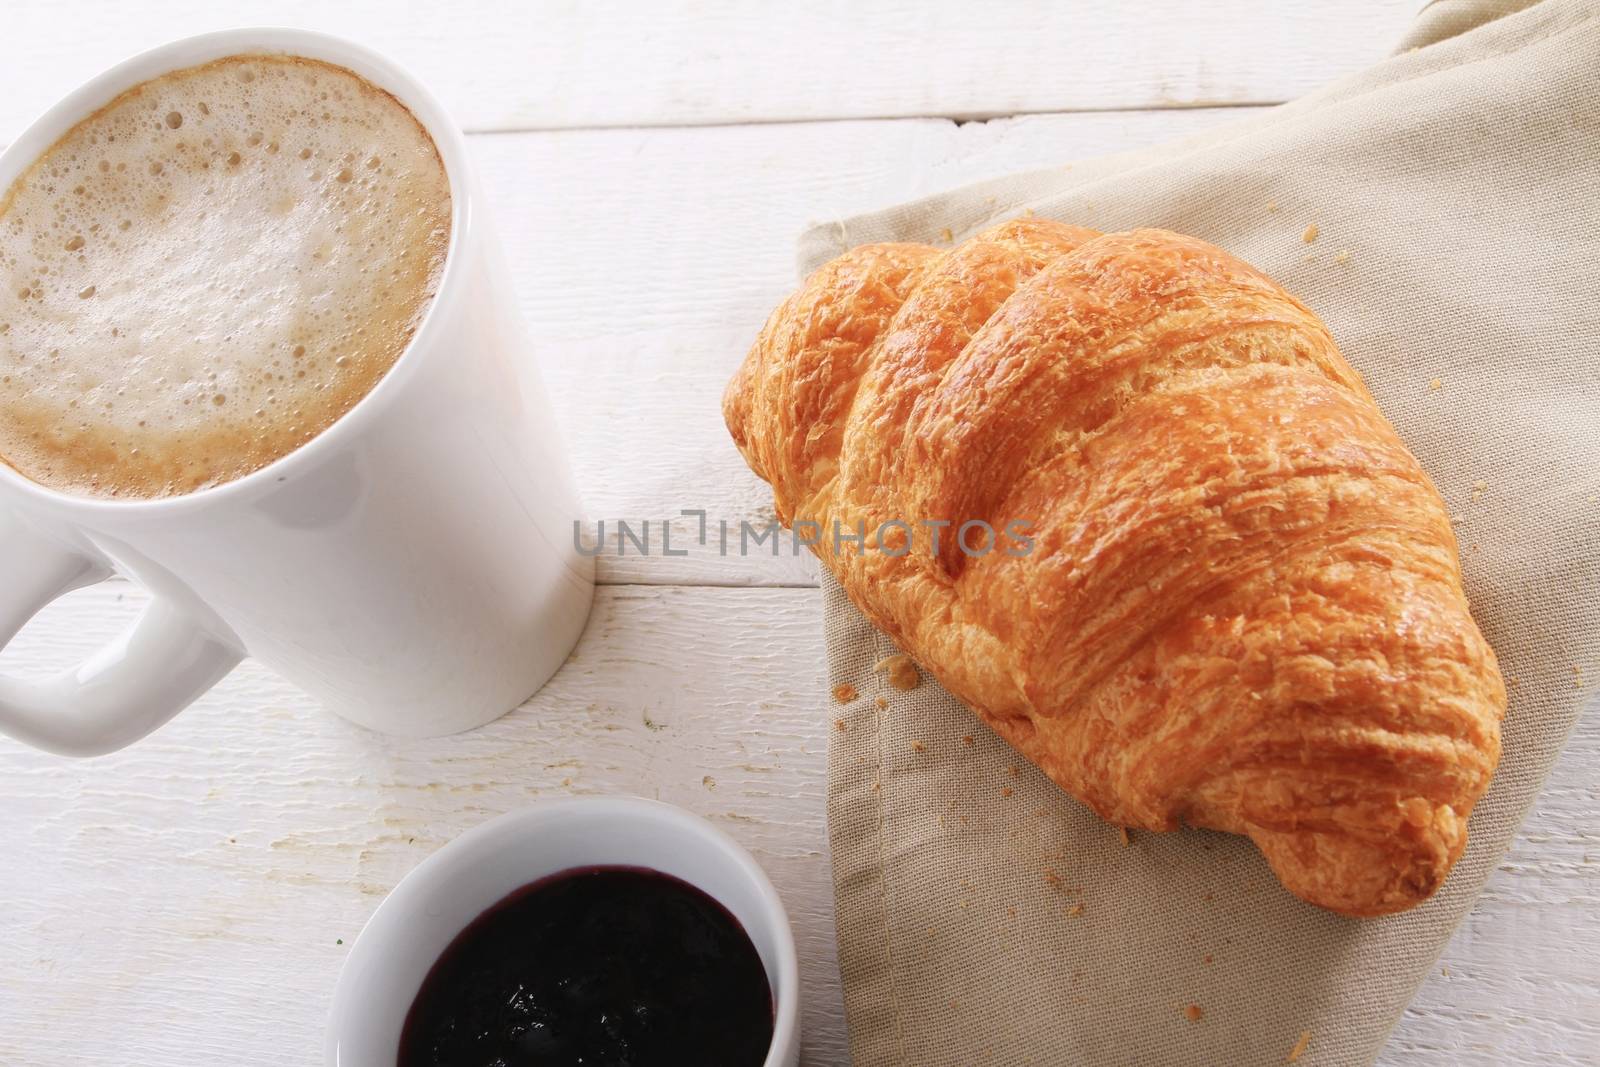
[599, 967]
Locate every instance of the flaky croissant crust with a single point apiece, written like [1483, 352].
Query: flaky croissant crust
[1242, 608]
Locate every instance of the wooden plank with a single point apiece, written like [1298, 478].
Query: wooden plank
[181, 902]
[509, 64]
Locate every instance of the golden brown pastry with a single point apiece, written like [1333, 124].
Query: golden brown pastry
[1241, 605]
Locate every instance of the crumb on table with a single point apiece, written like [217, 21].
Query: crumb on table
[918, 746]
[881, 703]
[1299, 1047]
[967, 740]
[1075, 911]
[1127, 838]
[1194, 1013]
[946, 236]
[1436, 384]
[844, 692]
[838, 724]
[1310, 234]
[1006, 791]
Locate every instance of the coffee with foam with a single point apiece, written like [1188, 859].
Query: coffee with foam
[209, 271]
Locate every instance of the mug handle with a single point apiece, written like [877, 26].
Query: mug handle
[144, 677]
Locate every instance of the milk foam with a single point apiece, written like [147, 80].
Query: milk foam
[205, 274]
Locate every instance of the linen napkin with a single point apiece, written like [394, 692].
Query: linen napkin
[1439, 212]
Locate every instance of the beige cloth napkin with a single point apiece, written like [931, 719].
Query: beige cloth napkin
[986, 917]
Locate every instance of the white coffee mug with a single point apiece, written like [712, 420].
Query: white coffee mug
[412, 567]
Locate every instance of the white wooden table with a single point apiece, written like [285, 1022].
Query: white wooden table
[190, 900]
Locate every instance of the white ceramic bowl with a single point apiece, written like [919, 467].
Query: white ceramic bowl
[455, 885]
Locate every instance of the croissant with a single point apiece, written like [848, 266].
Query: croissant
[1218, 591]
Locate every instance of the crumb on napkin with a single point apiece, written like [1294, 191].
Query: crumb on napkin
[902, 672]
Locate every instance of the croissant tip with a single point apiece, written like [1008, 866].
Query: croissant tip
[1367, 877]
